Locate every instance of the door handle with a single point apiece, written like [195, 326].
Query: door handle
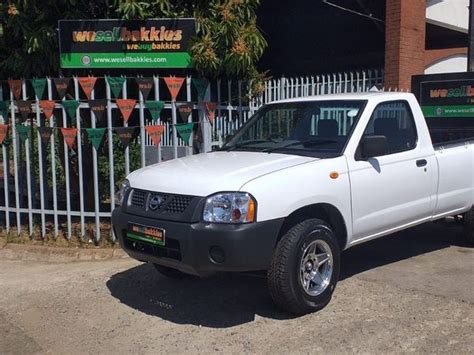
[421, 163]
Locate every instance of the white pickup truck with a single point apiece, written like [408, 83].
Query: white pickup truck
[301, 181]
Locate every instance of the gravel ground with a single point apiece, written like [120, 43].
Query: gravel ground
[413, 292]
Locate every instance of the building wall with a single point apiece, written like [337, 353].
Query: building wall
[451, 60]
[404, 42]
[453, 14]
[453, 64]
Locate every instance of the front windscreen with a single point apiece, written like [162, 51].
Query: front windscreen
[315, 128]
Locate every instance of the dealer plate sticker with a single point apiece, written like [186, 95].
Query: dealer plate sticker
[146, 234]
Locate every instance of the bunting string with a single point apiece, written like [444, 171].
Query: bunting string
[97, 136]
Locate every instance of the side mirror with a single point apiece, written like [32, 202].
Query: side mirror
[373, 146]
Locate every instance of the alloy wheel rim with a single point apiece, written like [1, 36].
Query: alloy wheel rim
[316, 267]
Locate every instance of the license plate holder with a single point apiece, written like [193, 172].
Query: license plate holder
[146, 234]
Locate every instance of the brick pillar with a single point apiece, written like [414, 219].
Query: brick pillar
[404, 41]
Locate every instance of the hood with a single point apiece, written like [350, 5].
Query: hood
[205, 174]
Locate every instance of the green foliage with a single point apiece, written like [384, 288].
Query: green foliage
[119, 164]
[103, 161]
[29, 39]
[228, 42]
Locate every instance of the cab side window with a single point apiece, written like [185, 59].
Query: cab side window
[395, 121]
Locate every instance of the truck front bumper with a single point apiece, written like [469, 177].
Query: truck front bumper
[202, 248]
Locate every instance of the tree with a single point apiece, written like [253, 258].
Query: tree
[228, 42]
[28, 36]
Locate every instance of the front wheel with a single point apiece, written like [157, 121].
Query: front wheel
[305, 267]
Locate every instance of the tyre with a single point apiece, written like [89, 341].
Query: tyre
[468, 224]
[169, 272]
[305, 268]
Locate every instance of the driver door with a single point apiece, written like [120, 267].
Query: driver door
[395, 189]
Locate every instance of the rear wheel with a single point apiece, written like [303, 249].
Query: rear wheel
[468, 222]
[169, 272]
[305, 267]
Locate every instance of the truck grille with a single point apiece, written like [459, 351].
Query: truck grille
[173, 204]
[138, 198]
[178, 204]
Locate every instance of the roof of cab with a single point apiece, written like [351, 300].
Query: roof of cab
[351, 96]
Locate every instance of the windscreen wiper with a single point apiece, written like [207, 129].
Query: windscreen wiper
[243, 144]
[308, 142]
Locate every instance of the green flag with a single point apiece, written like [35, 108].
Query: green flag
[185, 130]
[155, 108]
[71, 108]
[116, 85]
[201, 85]
[23, 132]
[38, 86]
[96, 136]
[4, 109]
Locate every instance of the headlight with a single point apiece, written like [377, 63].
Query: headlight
[120, 195]
[230, 207]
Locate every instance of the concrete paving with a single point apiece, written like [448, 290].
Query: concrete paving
[413, 292]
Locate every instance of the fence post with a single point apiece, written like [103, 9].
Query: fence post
[156, 82]
[6, 189]
[239, 90]
[66, 173]
[96, 178]
[28, 151]
[206, 127]
[15, 164]
[79, 154]
[5, 185]
[41, 171]
[219, 117]
[189, 144]
[173, 128]
[125, 124]
[111, 148]
[53, 164]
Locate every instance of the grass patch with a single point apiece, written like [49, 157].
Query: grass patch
[62, 240]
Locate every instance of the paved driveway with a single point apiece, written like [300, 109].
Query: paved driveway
[411, 292]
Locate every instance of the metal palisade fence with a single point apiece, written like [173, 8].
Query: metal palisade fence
[67, 143]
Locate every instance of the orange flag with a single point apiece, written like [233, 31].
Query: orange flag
[15, 87]
[174, 85]
[3, 132]
[69, 135]
[210, 111]
[48, 107]
[155, 133]
[87, 85]
[126, 107]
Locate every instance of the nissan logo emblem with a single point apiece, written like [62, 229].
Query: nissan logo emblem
[155, 202]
